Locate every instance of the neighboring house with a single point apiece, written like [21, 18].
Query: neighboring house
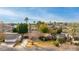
[5, 27]
[32, 27]
[8, 28]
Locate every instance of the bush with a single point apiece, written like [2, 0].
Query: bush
[56, 43]
[14, 30]
[42, 38]
[53, 31]
[59, 30]
[53, 37]
[49, 37]
[76, 44]
[61, 40]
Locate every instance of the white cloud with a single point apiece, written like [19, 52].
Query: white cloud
[7, 12]
[42, 15]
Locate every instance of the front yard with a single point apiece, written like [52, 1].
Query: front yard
[49, 44]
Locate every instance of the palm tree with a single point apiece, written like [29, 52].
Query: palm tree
[29, 25]
[34, 22]
[38, 24]
[26, 19]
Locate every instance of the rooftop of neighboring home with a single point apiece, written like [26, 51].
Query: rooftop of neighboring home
[5, 27]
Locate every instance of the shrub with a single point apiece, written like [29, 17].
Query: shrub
[56, 43]
[14, 30]
[53, 31]
[59, 30]
[53, 37]
[76, 44]
[42, 38]
[61, 40]
[49, 37]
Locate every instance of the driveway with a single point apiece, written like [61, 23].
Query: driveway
[11, 37]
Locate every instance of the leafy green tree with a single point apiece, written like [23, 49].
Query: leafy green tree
[39, 23]
[43, 27]
[45, 30]
[22, 29]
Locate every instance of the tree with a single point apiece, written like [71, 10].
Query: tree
[59, 30]
[44, 30]
[26, 19]
[34, 22]
[21, 29]
[38, 24]
[53, 31]
[43, 27]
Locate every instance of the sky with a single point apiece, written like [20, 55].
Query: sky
[53, 14]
